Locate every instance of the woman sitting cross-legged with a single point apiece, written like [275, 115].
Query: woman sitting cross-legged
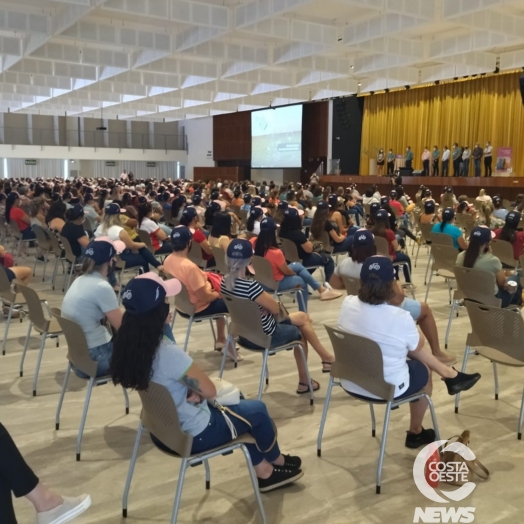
[142, 355]
[288, 276]
[297, 327]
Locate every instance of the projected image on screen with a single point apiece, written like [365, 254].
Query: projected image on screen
[276, 137]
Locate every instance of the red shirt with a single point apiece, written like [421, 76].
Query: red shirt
[390, 237]
[397, 205]
[199, 237]
[16, 214]
[518, 243]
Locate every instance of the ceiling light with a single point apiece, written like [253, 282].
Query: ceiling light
[353, 67]
[359, 85]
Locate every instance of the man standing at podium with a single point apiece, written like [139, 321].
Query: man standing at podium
[408, 159]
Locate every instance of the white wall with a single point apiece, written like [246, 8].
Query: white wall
[199, 132]
[279, 176]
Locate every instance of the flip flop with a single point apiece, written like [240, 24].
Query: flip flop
[303, 391]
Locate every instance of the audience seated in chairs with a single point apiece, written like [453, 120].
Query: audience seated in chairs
[447, 227]
[322, 223]
[511, 234]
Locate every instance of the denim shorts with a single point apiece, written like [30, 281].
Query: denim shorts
[413, 307]
[10, 275]
[101, 354]
[284, 333]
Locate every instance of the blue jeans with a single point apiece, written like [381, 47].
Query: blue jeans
[345, 245]
[465, 167]
[302, 278]
[143, 258]
[402, 257]
[101, 354]
[314, 259]
[511, 299]
[28, 234]
[476, 161]
[262, 430]
[284, 333]
[358, 212]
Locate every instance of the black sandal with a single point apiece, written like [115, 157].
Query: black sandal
[327, 364]
[304, 391]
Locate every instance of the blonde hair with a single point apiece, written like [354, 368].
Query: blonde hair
[88, 267]
[110, 221]
[482, 192]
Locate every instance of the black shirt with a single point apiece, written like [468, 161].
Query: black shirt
[73, 232]
[297, 237]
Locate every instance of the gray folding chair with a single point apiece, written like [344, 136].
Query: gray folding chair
[220, 260]
[59, 257]
[359, 360]
[78, 356]
[498, 335]
[425, 230]
[291, 255]
[46, 327]
[352, 285]
[71, 258]
[44, 243]
[159, 416]
[246, 322]
[503, 250]
[17, 239]
[264, 275]
[443, 260]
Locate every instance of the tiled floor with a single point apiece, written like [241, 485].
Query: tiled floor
[337, 488]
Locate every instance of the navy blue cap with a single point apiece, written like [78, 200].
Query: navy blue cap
[427, 192]
[482, 234]
[240, 248]
[333, 200]
[100, 251]
[142, 200]
[76, 211]
[256, 201]
[322, 204]
[146, 292]
[497, 199]
[215, 195]
[449, 189]
[463, 205]
[373, 208]
[291, 212]
[197, 199]
[377, 269]
[513, 218]
[393, 193]
[190, 213]
[256, 212]
[247, 198]
[429, 206]
[180, 236]
[112, 209]
[363, 237]
[268, 224]
[384, 200]
[382, 214]
[448, 214]
[215, 207]
[283, 205]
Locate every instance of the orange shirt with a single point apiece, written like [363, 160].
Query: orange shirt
[191, 276]
[276, 258]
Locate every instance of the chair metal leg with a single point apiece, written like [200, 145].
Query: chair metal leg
[373, 420]
[324, 416]
[428, 286]
[464, 364]
[224, 356]
[254, 482]
[83, 419]
[213, 331]
[132, 463]
[433, 417]
[68, 283]
[190, 322]
[416, 258]
[179, 486]
[7, 324]
[208, 474]
[62, 395]
[24, 351]
[173, 319]
[521, 418]
[310, 383]
[46, 260]
[39, 361]
[496, 377]
[383, 446]
[262, 374]
[55, 271]
[126, 399]
[427, 269]
[266, 374]
[34, 266]
[453, 305]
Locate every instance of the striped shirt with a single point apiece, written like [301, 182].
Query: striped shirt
[251, 290]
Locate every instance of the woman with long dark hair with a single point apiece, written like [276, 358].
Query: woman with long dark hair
[478, 255]
[159, 239]
[447, 227]
[291, 229]
[143, 355]
[382, 229]
[13, 212]
[256, 214]
[322, 224]
[510, 233]
[221, 231]
[289, 276]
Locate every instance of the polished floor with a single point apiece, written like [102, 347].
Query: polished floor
[337, 488]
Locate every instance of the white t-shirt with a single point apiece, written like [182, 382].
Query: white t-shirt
[446, 154]
[256, 228]
[150, 226]
[113, 232]
[391, 328]
[348, 268]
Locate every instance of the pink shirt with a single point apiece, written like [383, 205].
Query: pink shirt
[426, 155]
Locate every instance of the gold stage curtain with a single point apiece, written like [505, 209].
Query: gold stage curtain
[477, 110]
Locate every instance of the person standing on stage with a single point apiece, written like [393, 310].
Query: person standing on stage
[408, 159]
[466, 154]
[456, 156]
[435, 156]
[488, 152]
[445, 161]
[426, 155]
[477, 156]
[391, 162]
[380, 161]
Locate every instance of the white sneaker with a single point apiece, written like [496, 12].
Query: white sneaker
[70, 509]
[330, 294]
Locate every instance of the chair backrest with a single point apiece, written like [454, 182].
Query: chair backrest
[503, 250]
[382, 246]
[77, 349]
[55, 245]
[359, 360]
[195, 255]
[5, 287]
[167, 216]
[15, 230]
[425, 231]
[290, 250]
[264, 272]
[182, 302]
[442, 239]
[352, 285]
[476, 285]
[367, 209]
[326, 242]
[497, 328]
[160, 417]
[146, 239]
[220, 260]
[42, 238]
[34, 306]
[444, 257]
[69, 255]
[246, 320]
[243, 218]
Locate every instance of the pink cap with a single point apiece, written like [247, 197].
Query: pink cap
[172, 286]
[119, 246]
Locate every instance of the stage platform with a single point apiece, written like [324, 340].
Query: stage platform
[507, 187]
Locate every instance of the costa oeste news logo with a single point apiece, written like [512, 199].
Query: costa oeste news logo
[435, 471]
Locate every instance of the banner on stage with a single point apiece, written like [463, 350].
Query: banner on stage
[504, 157]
